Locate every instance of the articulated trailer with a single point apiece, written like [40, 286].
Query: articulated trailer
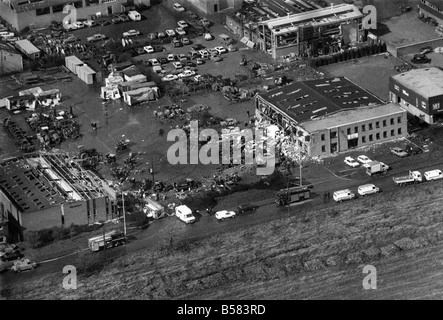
[108, 240]
[294, 194]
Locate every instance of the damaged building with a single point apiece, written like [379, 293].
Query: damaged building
[326, 116]
[45, 190]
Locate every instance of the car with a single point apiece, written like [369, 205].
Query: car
[178, 7]
[115, 19]
[426, 50]
[204, 22]
[90, 23]
[343, 195]
[78, 24]
[224, 214]
[182, 57]
[69, 26]
[176, 43]
[413, 150]
[232, 48]
[139, 51]
[177, 65]
[71, 38]
[170, 77]
[23, 265]
[420, 58]
[149, 49]
[246, 207]
[197, 47]
[154, 62]
[131, 33]
[163, 60]
[159, 48]
[180, 31]
[182, 24]
[399, 152]
[192, 15]
[96, 37]
[199, 61]
[367, 189]
[363, 159]
[161, 34]
[189, 64]
[185, 41]
[198, 78]
[351, 162]
[13, 255]
[124, 18]
[204, 53]
[212, 51]
[208, 36]
[170, 33]
[105, 22]
[171, 57]
[186, 74]
[152, 36]
[216, 58]
[221, 49]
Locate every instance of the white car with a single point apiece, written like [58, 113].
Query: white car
[343, 195]
[149, 49]
[78, 24]
[224, 214]
[433, 175]
[208, 36]
[367, 189]
[213, 51]
[131, 33]
[180, 31]
[70, 26]
[90, 23]
[178, 7]
[363, 159]
[170, 33]
[198, 78]
[96, 37]
[154, 62]
[23, 264]
[351, 162]
[171, 57]
[221, 49]
[204, 53]
[182, 24]
[170, 77]
[177, 65]
[186, 73]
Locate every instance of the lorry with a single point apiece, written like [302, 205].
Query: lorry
[413, 177]
[184, 214]
[134, 16]
[376, 167]
[153, 209]
[111, 239]
[294, 194]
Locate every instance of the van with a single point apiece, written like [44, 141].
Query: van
[184, 214]
[367, 189]
[342, 195]
[433, 175]
[224, 39]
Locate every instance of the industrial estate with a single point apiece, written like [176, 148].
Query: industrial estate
[90, 91]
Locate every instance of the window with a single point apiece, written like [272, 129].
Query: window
[396, 87]
[377, 124]
[399, 130]
[370, 126]
[370, 137]
[333, 134]
[392, 132]
[349, 130]
[384, 123]
[398, 119]
[392, 121]
[42, 11]
[323, 148]
[363, 139]
[355, 129]
[405, 93]
[322, 137]
[57, 8]
[363, 128]
[436, 106]
[423, 105]
[78, 4]
[385, 134]
[377, 136]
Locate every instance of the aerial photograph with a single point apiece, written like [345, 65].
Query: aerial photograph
[221, 150]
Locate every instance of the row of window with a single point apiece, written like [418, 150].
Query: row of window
[77, 4]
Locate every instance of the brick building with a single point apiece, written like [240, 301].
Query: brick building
[431, 9]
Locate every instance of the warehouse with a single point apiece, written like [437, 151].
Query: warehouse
[28, 49]
[294, 106]
[420, 92]
[46, 190]
[432, 9]
[214, 6]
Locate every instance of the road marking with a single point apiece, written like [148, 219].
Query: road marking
[337, 176]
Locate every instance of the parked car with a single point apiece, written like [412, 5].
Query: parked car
[189, 64]
[351, 162]
[433, 175]
[413, 150]
[139, 51]
[212, 51]
[367, 189]
[159, 48]
[399, 152]
[78, 25]
[131, 33]
[180, 31]
[363, 159]
[170, 33]
[199, 61]
[96, 37]
[204, 54]
[105, 22]
[163, 60]
[216, 58]
[116, 19]
[186, 74]
[198, 78]
[170, 77]
[149, 49]
[13, 255]
[224, 214]
[232, 48]
[124, 18]
[185, 41]
[152, 36]
[176, 43]
[420, 58]
[171, 57]
[90, 23]
[178, 7]
[247, 207]
[154, 62]
[161, 35]
[343, 195]
[197, 47]
[192, 15]
[177, 65]
[221, 49]
[23, 265]
[208, 36]
[182, 24]
[204, 22]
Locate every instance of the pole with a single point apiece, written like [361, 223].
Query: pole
[153, 175]
[301, 180]
[124, 213]
[104, 238]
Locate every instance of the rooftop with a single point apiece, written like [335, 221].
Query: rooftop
[27, 46]
[306, 100]
[345, 117]
[427, 82]
[40, 181]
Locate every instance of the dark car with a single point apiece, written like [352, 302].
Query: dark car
[139, 51]
[159, 48]
[190, 64]
[177, 43]
[413, 150]
[104, 23]
[14, 255]
[420, 58]
[197, 47]
[163, 60]
[116, 19]
[246, 207]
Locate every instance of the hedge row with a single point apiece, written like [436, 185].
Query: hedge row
[349, 54]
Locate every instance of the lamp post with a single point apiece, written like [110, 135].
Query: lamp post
[124, 213]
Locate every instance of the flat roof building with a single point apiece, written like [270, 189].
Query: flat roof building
[420, 92]
[28, 49]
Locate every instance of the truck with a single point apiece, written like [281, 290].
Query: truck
[134, 16]
[412, 177]
[376, 167]
[294, 194]
[153, 209]
[111, 239]
[184, 214]
[433, 175]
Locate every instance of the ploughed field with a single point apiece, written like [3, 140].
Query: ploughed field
[315, 254]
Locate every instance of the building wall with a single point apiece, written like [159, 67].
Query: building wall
[8, 209]
[431, 12]
[10, 62]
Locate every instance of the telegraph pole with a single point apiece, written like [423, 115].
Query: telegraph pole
[153, 175]
[124, 213]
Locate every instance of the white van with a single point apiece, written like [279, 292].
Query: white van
[184, 214]
[433, 175]
[367, 189]
[342, 195]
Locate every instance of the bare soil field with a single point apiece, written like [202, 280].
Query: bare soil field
[316, 254]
